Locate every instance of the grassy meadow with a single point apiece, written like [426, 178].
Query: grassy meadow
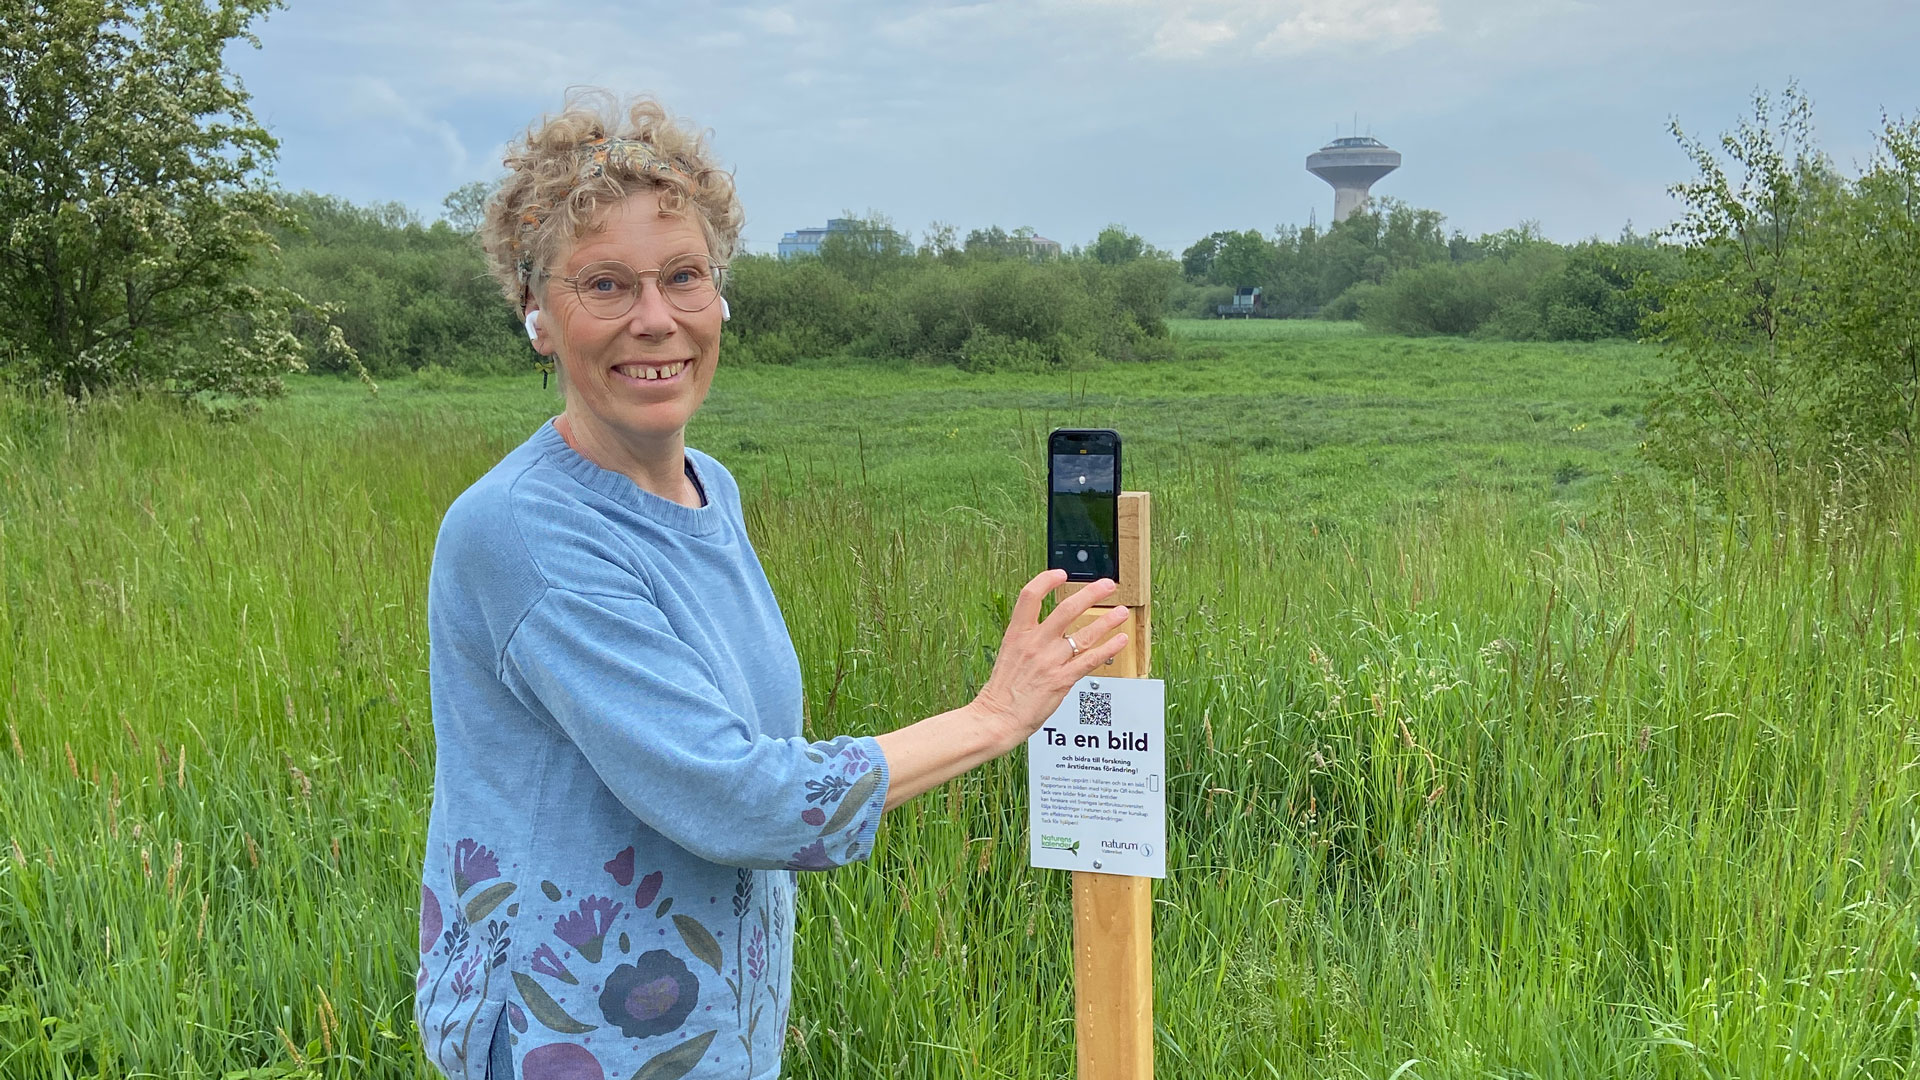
[1488, 755]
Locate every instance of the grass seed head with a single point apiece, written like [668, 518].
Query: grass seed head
[291, 1049]
[14, 734]
[329, 1023]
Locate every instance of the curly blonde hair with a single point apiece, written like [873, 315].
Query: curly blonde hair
[560, 178]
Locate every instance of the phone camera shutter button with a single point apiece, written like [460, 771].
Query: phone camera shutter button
[1083, 555]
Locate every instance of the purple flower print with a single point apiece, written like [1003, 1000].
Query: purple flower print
[621, 867]
[828, 790]
[757, 953]
[497, 942]
[811, 857]
[854, 762]
[472, 864]
[649, 888]
[455, 935]
[586, 929]
[547, 962]
[432, 920]
[517, 1017]
[463, 976]
[742, 891]
[561, 1061]
[652, 996]
[814, 816]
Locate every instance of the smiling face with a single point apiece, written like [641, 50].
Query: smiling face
[632, 383]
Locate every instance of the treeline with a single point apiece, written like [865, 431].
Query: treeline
[1394, 268]
[403, 295]
[989, 303]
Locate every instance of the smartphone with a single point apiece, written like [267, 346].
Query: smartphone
[1083, 504]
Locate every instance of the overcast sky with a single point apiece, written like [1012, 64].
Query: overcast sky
[1172, 117]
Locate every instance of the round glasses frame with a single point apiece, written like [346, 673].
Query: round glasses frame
[695, 294]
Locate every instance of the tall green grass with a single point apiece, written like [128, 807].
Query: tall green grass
[1479, 786]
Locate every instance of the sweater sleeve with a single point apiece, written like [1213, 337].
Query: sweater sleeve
[644, 709]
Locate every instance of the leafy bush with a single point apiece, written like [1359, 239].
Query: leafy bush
[134, 192]
[982, 309]
[1793, 327]
[404, 296]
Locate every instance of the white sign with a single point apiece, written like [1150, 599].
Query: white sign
[1096, 780]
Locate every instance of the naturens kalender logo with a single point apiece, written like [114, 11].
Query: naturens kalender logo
[1059, 843]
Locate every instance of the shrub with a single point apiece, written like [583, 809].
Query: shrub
[1792, 326]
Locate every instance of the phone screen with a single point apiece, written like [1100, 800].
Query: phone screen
[1083, 501]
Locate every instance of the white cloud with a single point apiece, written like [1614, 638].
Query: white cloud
[778, 21]
[1321, 24]
[1249, 29]
[376, 99]
[1181, 38]
[936, 27]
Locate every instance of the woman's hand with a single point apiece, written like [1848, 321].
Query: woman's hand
[1036, 666]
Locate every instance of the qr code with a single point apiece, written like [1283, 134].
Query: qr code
[1096, 708]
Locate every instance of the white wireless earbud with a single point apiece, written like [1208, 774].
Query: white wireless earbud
[725, 311]
[533, 328]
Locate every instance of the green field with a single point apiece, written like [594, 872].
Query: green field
[1488, 755]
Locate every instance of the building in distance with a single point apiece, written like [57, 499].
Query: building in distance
[808, 241]
[1022, 242]
[1352, 165]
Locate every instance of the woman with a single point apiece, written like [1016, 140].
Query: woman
[622, 789]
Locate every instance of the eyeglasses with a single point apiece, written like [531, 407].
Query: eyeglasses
[608, 289]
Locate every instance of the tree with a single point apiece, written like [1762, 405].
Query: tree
[1197, 261]
[866, 248]
[1115, 245]
[941, 241]
[1245, 259]
[466, 206]
[1733, 319]
[132, 185]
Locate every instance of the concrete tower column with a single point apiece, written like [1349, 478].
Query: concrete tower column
[1352, 165]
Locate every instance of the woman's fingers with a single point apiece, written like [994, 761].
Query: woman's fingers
[1094, 635]
[1091, 660]
[1066, 611]
[1026, 607]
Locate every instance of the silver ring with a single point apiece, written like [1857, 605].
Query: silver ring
[1072, 645]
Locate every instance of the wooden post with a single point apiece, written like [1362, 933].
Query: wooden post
[1113, 915]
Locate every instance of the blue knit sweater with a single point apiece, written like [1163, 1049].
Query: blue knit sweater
[621, 788]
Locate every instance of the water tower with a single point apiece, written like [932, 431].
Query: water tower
[1351, 165]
